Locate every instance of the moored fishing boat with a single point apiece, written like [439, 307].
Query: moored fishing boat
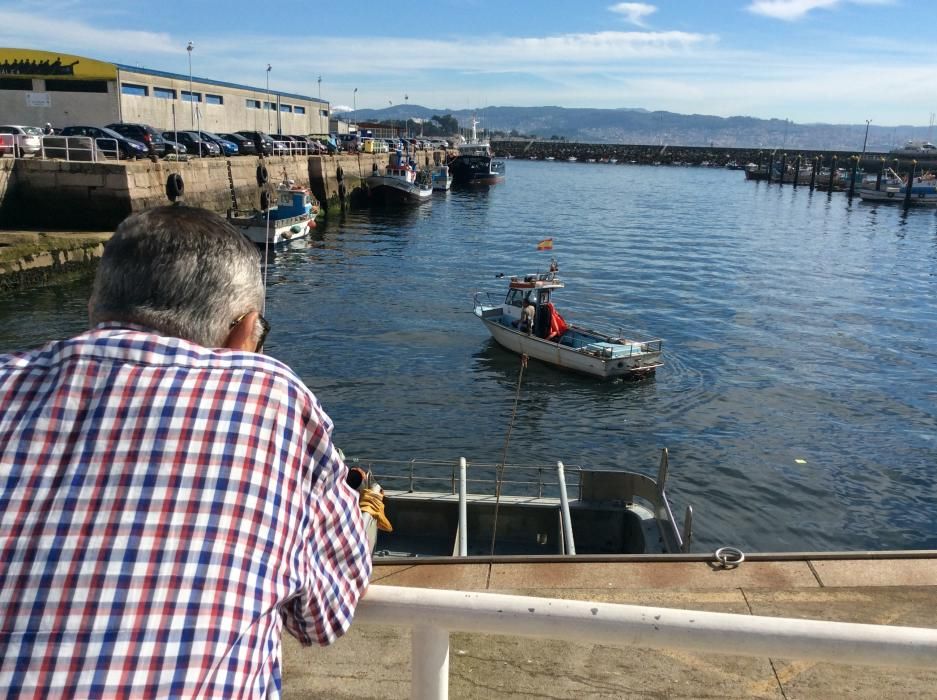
[400, 182]
[893, 188]
[475, 164]
[441, 178]
[450, 508]
[292, 217]
[552, 340]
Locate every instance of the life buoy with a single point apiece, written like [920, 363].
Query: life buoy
[262, 175]
[265, 200]
[175, 186]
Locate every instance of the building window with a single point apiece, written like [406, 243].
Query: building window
[299, 110]
[269, 105]
[135, 90]
[191, 96]
[16, 84]
[76, 85]
[286, 108]
[164, 93]
[324, 112]
[252, 104]
[214, 99]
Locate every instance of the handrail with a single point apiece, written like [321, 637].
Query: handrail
[433, 614]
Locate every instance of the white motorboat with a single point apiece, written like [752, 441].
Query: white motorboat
[450, 508]
[922, 150]
[552, 340]
[441, 178]
[400, 182]
[293, 216]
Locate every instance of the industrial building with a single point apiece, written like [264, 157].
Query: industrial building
[39, 87]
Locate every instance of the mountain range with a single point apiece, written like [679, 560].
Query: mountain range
[641, 126]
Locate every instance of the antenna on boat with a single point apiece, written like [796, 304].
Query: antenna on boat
[499, 478]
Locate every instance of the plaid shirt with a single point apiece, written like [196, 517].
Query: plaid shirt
[164, 510]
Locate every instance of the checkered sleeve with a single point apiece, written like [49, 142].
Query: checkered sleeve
[338, 561]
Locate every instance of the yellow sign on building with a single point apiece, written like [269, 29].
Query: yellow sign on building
[26, 63]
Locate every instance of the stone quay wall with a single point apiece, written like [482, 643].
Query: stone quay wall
[59, 194]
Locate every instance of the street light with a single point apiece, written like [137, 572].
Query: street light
[191, 96]
[866, 139]
[406, 103]
[393, 128]
[268, 97]
[354, 108]
[320, 86]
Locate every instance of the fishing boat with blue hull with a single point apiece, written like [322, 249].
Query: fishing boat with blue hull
[892, 188]
[292, 217]
[552, 340]
[452, 509]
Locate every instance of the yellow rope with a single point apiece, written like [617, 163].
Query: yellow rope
[372, 503]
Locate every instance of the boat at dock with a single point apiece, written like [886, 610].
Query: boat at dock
[450, 508]
[475, 163]
[292, 217]
[554, 341]
[892, 188]
[441, 178]
[399, 183]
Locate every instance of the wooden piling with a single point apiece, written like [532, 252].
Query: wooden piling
[813, 172]
[910, 184]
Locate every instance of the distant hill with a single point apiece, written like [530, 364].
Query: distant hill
[639, 126]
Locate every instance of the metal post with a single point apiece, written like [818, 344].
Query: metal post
[866, 139]
[797, 171]
[429, 649]
[570, 544]
[813, 173]
[191, 96]
[852, 176]
[268, 97]
[354, 108]
[829, 186]
[463, 510]
[907, 188]
[783, 168]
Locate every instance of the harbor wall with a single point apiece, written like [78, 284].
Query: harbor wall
[58, 194]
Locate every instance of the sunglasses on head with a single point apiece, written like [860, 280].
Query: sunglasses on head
[264, 329]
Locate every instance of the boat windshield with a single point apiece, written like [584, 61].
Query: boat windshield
[516, 297]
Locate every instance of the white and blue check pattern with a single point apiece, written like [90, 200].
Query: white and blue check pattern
[165, 509]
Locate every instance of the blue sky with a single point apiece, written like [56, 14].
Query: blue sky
[835, 61]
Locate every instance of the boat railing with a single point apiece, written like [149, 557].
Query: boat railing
[491, 306]
[443, 475]
[619, 336]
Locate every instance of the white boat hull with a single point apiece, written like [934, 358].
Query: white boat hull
[278, 231]
[396, 189]
[578, 360]
[894, 195]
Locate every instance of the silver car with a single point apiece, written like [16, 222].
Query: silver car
[27, 140]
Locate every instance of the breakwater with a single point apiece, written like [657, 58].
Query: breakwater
[41, 193]
[645, 154]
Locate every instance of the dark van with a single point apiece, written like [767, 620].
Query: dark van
[145, 134]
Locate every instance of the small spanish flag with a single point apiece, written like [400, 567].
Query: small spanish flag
[545, 244]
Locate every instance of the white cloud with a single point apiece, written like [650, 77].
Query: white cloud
[791, 10]
[634, 12]
[35, 31]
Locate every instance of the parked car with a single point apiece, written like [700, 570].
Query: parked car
[145, 134]
[194, 144]
[245, 145]
[262, 142]
[26, 139]
[174, 147]
[284, 145]
[228, 148]
[109, 142]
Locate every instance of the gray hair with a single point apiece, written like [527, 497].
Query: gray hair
[179, 270]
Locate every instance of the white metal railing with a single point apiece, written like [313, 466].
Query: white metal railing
[433, 614]
[78, 148]
[290, 148]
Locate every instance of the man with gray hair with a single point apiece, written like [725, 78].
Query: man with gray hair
[170, 498]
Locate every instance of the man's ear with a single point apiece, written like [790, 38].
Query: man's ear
[241, 336]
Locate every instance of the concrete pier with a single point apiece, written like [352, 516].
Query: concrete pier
[37, 193]
[373, 662]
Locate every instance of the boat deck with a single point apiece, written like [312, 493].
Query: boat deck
[373, 662]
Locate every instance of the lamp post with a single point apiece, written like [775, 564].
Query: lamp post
[354, 108]
[320, 86]
[406, 103]
[191, 96]
[393, 127]
[268, 97]
[866, 139]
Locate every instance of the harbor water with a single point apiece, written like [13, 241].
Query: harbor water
[799, 394]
